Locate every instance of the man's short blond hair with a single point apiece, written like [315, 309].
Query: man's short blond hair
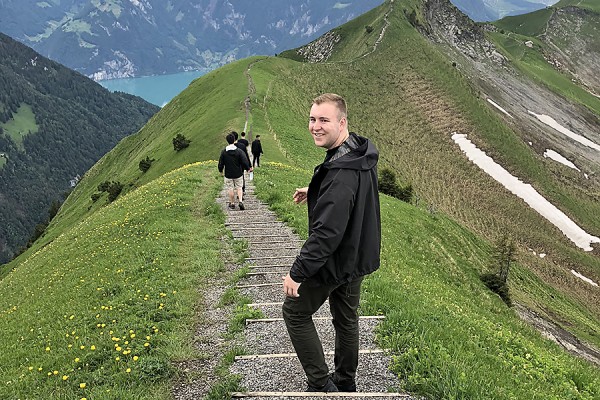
[336, 99]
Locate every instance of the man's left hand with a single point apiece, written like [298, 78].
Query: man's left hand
[290, 287]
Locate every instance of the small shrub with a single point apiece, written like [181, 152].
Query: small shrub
[389, 186]
[498, 286]
[103, 187]
[369, 28]
[145, 164]
[113, 189]
[387, 182]
[95, 197]
[180, 142]
[503, 256]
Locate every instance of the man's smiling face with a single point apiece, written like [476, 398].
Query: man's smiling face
[326, 127]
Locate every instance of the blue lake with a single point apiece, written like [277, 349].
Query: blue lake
[158, 89]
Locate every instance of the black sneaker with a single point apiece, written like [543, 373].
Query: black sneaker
[231, 206]
[343, 387]
[327, 388]
[241, 206]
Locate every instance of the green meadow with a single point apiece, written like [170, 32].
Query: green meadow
[20, 125]
[104, 305]
[102, 311]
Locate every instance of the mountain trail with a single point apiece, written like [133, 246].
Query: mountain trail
[271, 368]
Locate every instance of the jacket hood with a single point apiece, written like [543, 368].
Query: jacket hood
[362, 156]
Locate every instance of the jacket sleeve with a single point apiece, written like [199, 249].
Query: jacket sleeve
[221, 162]
[331, 215]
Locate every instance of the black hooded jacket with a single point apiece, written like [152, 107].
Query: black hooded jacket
[343, 217]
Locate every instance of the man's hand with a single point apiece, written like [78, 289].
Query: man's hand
[300, 195]
[290, 287]
[251, 169]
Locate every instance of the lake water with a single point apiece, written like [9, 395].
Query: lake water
[158, 89]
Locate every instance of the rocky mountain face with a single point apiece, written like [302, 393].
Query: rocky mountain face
[128, 38]
[492, 10]
[573, 34]
[518, 96]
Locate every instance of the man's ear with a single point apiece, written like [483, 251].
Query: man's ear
[343, 123]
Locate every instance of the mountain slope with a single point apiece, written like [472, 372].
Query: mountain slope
[54, 125]
[449, 335]
[119, 39]
[568, 36]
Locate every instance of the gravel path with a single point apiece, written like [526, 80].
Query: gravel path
[271, 365]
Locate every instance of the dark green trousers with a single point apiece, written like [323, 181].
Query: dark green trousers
[343, 303]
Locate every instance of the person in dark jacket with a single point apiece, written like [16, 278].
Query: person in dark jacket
[244, 141]
[233, 162]
[343, 246]
[256, 151]
[243, 145]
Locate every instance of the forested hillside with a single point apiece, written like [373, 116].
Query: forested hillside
[54, 125]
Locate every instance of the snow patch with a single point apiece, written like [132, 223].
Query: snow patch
[549, 153]
[552, 123]
[585, 278]
[526, 192]
[492, 102]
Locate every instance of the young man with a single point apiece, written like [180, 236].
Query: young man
[244, 141]
[243, 145]
[234, 162]
[343, 246]
[256, 151]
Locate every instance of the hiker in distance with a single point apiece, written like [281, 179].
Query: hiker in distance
[234, 162]
[244, 141]
[256, 151]
[243, 145]
[342, 247]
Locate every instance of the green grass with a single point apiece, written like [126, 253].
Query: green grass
[450, 337]
[589, 4]
[20, 125]
[124, 281]
[530, 24]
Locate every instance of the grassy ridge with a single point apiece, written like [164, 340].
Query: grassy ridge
[530, 24]
[204, 113]
[408, 99]
[589, 4]
[451, 338]
[102, 310]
